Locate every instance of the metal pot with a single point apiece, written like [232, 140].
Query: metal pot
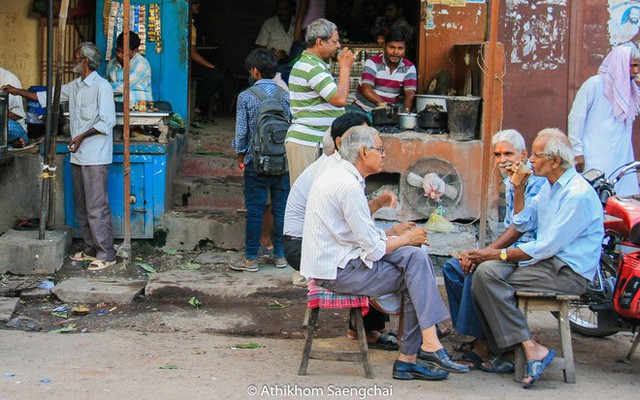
[432, 118]
[408, 120]
[425, 100]
[384, 116]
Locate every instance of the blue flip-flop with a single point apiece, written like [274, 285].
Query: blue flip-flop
[535, 368]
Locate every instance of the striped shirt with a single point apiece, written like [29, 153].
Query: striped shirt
[139, 79]
[311, 86]
[388, 85]
[337, 225]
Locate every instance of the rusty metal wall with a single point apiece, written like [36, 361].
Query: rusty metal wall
[535, 34]
[552, 47]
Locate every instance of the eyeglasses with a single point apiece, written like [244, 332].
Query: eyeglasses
[539, 155]
[378, 149]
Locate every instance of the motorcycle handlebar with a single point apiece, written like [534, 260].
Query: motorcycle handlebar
[624, 170]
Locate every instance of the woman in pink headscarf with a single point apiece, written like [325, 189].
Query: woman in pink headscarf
[601, 119]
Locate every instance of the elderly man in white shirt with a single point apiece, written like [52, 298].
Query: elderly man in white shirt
[344, 252]
[92, 117]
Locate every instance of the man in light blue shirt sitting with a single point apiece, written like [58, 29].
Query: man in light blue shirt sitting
[508, 149]
[567, 216]
[139, 72]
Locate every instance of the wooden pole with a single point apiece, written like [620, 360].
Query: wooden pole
[488, 128]
[48, 171]
[125, 249]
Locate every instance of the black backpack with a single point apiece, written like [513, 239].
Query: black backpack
[267, 151]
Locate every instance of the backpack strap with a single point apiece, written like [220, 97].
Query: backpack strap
[258, 93]
[278, 94]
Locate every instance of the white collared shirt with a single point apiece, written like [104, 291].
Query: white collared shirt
[90, 106]
[299, 194]
[15, 102]
[338, 226]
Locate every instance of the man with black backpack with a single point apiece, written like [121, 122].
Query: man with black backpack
[262, 121]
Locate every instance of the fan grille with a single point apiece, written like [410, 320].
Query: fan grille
[445, 170]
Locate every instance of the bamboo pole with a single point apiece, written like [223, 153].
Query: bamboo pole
[488, 128]
[53, 107]
[125, 249]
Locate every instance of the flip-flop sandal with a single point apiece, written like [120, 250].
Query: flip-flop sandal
[30, 224]
[384, 342]
[535, 368]
[463, 347]
[97, 265]
[471, 359]
[499, 364]
[81, 256]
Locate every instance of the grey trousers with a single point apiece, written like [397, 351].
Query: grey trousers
[495, 284]
[92, 210]
[407, 270]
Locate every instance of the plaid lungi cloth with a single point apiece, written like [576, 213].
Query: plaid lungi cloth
[323, 298]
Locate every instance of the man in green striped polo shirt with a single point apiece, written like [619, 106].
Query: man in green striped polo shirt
[316, 99]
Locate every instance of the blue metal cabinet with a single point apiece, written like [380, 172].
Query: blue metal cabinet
[151, 166]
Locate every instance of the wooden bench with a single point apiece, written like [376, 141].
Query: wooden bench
[556, 303]
[355, 314]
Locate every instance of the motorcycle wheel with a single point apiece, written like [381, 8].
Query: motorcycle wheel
[592, 323]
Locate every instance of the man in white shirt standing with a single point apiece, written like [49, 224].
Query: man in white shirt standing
[92, 117]
[276, 34]
[344, 252]
[602, 115]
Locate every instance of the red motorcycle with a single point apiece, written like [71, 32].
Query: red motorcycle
[612, 301]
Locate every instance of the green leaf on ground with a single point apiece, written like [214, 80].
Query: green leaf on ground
[147, 267]
[170, 366]
[246, 346]
[60, 314]
[276, 305]
[191, 266]
[66, 329]
[171, 251]
[194, 302]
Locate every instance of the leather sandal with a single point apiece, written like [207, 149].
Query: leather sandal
[98, 265]
[82, 256]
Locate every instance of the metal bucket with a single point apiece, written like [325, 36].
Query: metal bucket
[463, 112]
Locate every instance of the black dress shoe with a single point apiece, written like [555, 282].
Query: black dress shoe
[407, 371]
[440, 359]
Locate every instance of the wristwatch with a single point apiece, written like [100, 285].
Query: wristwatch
[503, 254]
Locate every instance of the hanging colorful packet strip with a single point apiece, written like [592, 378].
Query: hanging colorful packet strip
[154, 28]
[113, 16]
[142, 28]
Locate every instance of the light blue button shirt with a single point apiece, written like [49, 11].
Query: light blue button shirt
[534, 183]
[90, 106]
[569, 221]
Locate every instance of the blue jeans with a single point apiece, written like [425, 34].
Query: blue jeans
[463, 310]
[256, 187]
[16, 131]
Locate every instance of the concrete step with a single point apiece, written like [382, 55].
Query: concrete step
[207, 144]
[219, 285]
[209, 165]
[188, 230]
[212, 193]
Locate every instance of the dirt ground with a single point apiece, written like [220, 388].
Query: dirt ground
[151, 350]
[169, 351]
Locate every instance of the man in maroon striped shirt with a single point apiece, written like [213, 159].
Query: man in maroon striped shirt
[388, 77]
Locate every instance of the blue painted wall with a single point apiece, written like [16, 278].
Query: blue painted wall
[170, 68]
